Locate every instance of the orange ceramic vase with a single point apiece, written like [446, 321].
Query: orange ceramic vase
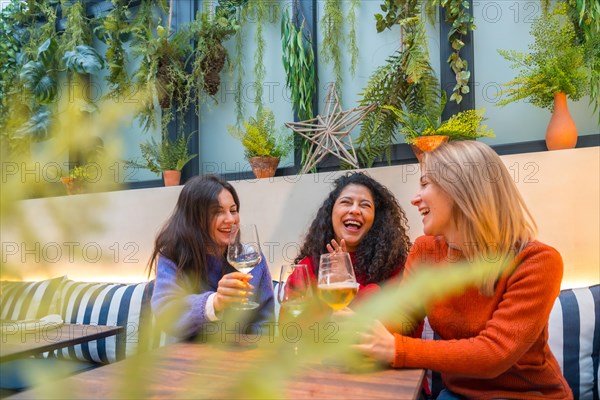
[171, 178]
[562, 131]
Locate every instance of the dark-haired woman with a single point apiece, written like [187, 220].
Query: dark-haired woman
[194, 283]
[363, 217]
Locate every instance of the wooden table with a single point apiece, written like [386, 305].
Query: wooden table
[200, 370]
[19, 344]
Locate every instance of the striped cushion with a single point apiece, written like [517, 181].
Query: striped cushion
[574, 338]
[28, 300]
[109, 304]
[433, 379]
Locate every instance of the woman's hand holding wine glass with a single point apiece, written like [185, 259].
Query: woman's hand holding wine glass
[243, 253]
[232, 289]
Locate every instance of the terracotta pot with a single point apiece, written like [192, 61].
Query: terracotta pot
[562, 131]
[264, 167]
[427, 143]
[72, 185]
[171, 177]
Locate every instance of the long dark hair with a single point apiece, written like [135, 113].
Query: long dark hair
[185, 238]
[383, 248]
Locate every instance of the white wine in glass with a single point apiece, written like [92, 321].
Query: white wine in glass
[294, 293]
[243, 253]
[336, 282]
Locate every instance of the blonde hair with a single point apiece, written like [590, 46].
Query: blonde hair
[488, 209]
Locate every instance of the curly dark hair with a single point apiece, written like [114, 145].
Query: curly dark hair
[383, 248]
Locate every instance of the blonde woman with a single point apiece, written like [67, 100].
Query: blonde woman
[493, 337]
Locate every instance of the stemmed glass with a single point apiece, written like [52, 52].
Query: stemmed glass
[294, 290]
[243, 253]
[294, 293]
[336, 282]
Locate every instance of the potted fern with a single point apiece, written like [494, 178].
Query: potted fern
[262, 147]
[554, 69]
[75, 180]
[168, 157]
[426, 131]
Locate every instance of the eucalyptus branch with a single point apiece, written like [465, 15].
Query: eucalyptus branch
[170, 16]
[261, 11]
[239, 70]
[352, 45]
[331, 26]
[298, 62]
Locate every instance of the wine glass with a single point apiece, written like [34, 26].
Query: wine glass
[243, 253]
[336, 282]
[294, 289]
[294, 293]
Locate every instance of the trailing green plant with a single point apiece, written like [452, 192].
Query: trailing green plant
[24, 92]
[10, 44]
[406, 81]
[555, 63]
[259, 138]
[333, 37]
[238, 67]
[115, 31]
[167, 155]
[459, 17]
[261, 12]
[457, 14]
[78, 29]
[171, 68]
[38, 54]
[352, 45]
[299, 65]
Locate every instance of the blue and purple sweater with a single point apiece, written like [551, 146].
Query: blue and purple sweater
[171, 296]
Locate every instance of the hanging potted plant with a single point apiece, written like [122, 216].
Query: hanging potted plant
[553, 70]
[425, 131]
[263, 148]
[167, 157]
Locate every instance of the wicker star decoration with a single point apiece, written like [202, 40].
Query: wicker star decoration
[330, 134]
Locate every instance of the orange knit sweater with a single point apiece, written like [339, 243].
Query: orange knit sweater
[492, 347]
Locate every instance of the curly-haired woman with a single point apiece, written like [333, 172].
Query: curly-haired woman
[363, 217]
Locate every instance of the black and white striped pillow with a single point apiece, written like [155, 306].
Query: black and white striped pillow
[28, 300]
[574, 338]
[109, 304]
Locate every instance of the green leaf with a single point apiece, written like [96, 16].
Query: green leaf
[38, 125]
[84, 60]
[36, 79]
[47, 51]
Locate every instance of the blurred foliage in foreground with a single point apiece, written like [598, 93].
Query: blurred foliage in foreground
[81, 146]
[263, 374]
